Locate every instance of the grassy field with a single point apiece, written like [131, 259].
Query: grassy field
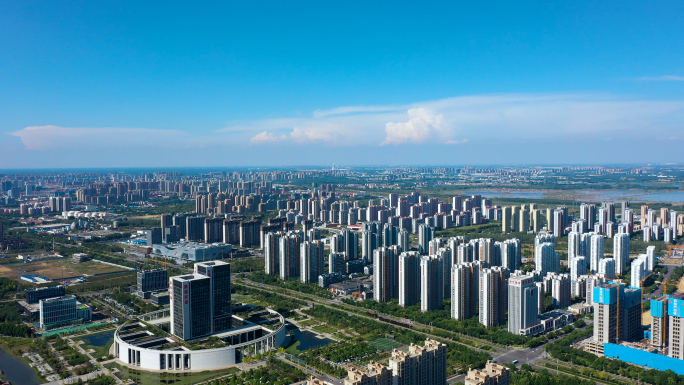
[324, 329]
[56, 269]
[292, 349]
[385, 344]
[247, 299]
[146, 378]
[309, 322]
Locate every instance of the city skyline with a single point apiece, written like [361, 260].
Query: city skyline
[238, 85]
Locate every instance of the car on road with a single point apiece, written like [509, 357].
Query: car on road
[514, 362]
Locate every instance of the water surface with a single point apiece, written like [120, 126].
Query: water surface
[17, 371]
[99, 339]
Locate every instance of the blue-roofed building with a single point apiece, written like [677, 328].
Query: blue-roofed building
[675, 334]
[608, 297]
[643, 358]
[665, 351]
[659, 322]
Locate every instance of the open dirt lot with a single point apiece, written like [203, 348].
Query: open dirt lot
[56, 269]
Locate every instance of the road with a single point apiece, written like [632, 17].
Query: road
[659, 290]
[523, 355]
[311, 371]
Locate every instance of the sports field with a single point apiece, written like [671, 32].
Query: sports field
[385, 344]
[56, 269]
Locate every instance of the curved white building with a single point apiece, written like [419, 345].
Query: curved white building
[139, 345]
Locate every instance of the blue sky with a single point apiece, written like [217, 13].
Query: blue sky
[104, 84]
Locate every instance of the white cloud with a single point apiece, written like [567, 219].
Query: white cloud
[297, 135]
[496, 117]
[51, 137]
[468, 121]
[346, 110]
[456, 142]
[311, 135]
[265, 137]
[423, 125]
[664, 78]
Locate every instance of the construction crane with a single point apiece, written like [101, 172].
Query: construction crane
[617, 328]
[642, 291]
[668, 284]
[166, 264]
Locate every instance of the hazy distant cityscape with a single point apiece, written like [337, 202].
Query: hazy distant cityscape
[341, 193]
[345, 275]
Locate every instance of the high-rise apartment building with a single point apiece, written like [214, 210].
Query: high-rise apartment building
[639, 270]
[506, 220]
[420, 364]
[524, 220]
[346, 242]
[595, 252]
[546, 259]
[374, 374]
[660, 322]
[492, 374]
[431, 283]
[425, 235]
[404, 240]
[612, 323]
[370, 241]
[194, 229]
[574, 239]
[650, 257]
[290, 252]
[535, 218]
[385, 274]
[272, 253]
[578, 267]
[390, 235]
[250, 233]
[409, 278]
[621, 253]
[588, 213]
[493, 296]
[560, 290]
[464, 289]
[231, 231]
[675, 326]
[312, 261]
[336, 263]
[559, 218]
[607, 268]
[510, 253]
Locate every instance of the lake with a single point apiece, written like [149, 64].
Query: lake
[16, 370]
[587, 195]
[308, 340]
[532, 194]
[99, 339]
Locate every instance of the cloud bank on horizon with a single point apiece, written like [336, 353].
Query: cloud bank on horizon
[463, 121]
